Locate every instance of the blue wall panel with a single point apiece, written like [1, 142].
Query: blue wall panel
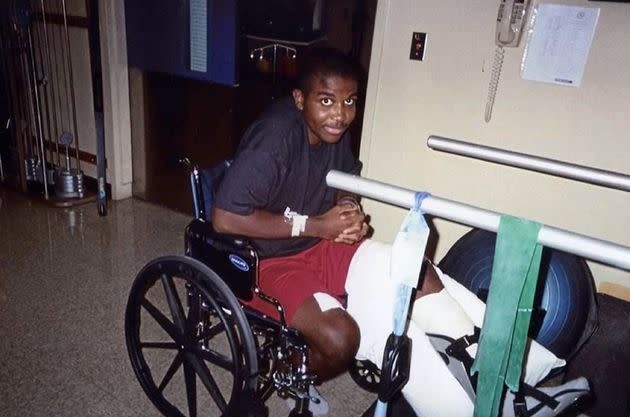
[158, 38]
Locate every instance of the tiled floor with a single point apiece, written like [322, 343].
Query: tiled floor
[65, 275]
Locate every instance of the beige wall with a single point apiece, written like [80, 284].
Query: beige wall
[445, 95]
[117, 123]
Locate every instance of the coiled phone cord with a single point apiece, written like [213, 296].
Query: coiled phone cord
[494, 80]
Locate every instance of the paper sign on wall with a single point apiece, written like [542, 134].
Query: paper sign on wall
[558, 44]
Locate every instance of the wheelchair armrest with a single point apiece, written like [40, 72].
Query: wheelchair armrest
[204, 228]
[237, 241]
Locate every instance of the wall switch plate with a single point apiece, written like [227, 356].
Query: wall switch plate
[418, 46]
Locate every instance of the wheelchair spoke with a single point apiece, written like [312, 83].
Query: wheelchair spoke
[162, 320]
[158, 345]
[215, 357]
[177, 362]
[206, 378]
[177, 311]
[191, 389]
[189, 340]
[210, 332]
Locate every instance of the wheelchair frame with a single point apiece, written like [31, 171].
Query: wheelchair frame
[265, 355]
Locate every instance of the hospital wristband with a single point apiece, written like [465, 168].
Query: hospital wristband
[298, 221]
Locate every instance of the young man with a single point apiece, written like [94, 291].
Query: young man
[276, 180]
[310, 240]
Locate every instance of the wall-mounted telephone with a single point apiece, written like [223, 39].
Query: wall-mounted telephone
[510, 23]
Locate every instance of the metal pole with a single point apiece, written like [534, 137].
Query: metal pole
[588, 247]
[57, 104]
[74, 107]
[30, 111]
[97, 88]
[7, 132]
[48, 66]
[40, 130]
[520, 160]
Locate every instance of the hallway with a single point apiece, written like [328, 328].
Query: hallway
[65, 275]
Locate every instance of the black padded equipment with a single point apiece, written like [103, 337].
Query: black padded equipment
[605, 360]
[565, 313]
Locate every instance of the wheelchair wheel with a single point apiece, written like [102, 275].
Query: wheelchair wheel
[366, 375]
[189, 342]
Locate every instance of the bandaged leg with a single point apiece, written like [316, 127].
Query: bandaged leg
[432, 390]
[538, 361]
[439, 313]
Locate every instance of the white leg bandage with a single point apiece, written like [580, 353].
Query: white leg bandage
[439, 313]
[538, 361]
[326, 301]
[432, 390]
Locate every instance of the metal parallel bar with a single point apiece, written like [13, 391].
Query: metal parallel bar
[520, 160]
[588, 247]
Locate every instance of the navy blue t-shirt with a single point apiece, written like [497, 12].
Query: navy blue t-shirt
[275, 167]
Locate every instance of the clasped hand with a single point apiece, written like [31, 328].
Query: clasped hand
[345, 223]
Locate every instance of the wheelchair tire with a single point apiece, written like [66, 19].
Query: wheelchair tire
[189, 342]
[366, 375]
[565, 308]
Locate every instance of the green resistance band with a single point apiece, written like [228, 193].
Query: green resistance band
[503, 337]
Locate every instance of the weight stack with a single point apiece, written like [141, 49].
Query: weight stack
[32, 168]
[69, 184]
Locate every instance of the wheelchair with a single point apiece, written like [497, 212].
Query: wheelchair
[190, 313]
[187, 312]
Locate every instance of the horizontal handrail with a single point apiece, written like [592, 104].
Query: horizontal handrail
[582, 173]
[588, 247]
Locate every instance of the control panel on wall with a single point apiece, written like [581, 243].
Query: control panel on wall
[511, 19]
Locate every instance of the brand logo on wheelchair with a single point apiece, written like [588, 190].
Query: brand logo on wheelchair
[239, 262]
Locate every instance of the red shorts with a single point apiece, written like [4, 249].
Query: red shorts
[292, 279]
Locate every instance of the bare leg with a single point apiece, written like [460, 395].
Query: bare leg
[332, 336]
[429, 283]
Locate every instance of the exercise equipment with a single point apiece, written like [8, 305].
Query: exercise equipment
[407, 255]
[185, 326]
[53, 103]
[588, 247]
[68, 181]
[40, 163]
[71, 83]
[534, 163]
[565, 313]
[596, 249]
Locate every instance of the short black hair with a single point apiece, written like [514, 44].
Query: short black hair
[326, 62]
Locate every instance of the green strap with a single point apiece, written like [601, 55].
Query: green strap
[503, 337]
